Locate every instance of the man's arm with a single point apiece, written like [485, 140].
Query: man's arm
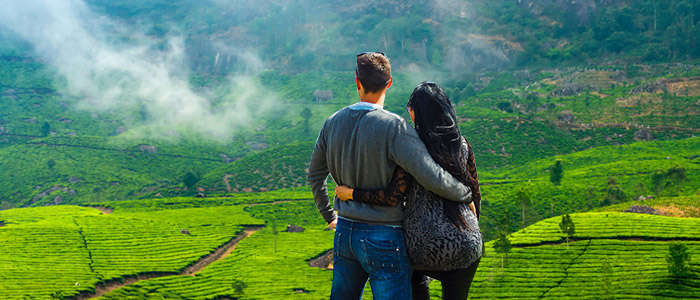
[318, 176]
[408, 151]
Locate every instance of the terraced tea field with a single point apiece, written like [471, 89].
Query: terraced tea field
[65, 250]
[613, 255]
[141, 251]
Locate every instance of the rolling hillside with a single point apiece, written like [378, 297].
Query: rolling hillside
[621, 254]
[555, 78]
[158, 149]
[586, 183]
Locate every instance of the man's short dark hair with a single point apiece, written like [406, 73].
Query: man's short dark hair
[373, 71]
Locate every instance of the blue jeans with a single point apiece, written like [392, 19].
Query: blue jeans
[377, 252]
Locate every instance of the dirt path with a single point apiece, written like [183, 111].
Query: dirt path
[220, 253]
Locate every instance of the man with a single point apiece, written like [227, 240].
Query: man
[360, 146]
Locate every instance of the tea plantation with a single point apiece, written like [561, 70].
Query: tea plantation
[62, 251]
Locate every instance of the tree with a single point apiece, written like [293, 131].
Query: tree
[677, 176]
[658, 182]
[51, 163]
[306, 115]
[190, 179]
[502, 245]
[238, 287]
[556, 173]
[615, 193]
[45, 129]
[678, 260]
[505, 106]
[567, 228]
[524, 201]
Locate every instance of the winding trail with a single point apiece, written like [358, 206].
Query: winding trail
[221, 252]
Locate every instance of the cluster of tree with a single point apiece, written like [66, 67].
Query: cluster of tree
[556, 173]
[190, 180]
[675, 176]
[614, 193]
[662, 30]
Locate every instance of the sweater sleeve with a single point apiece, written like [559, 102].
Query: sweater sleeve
[394, 194]
[318, 177]
[408, 151]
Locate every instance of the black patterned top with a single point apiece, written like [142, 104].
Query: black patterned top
[394, 194]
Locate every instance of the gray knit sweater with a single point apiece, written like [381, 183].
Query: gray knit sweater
[360, 146]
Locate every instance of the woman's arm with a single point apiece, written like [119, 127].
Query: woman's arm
[392, 195]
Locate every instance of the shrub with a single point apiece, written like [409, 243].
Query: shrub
[567, 227]
[502, 245]
[556, 173]
[678, 260]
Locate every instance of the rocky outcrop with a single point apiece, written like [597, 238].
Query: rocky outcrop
[642, 209]
[643, 135]
[294, 228]
[57, 199]
[321, 96]
[566, 91]
[323, 261]
[148, 148]
[566, 117]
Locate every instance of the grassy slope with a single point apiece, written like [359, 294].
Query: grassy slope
[272, 264]
[500, 138]
[92, 169]
[585, 182]
[72, 248]
[283, 166]
[634, 245]
[584, 186]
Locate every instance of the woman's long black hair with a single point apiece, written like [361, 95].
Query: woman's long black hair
[436, 124]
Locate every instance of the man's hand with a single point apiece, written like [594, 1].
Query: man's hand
[343, 192]
[472, 207]
[332, 224]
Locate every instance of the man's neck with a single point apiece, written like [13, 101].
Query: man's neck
[378, 100]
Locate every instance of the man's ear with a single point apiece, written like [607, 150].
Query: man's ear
[358, 83]
[391, 80]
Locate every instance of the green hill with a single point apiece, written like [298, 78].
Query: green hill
[60, 170]
[586, 183]
[532, 80]
[270, 169]
[621, 254]
[74, 248]
[612, 255]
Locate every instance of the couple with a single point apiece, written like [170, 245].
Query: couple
[407, 200]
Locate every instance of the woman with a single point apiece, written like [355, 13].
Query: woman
[442, 237]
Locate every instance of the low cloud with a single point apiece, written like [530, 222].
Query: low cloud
[113, 67]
